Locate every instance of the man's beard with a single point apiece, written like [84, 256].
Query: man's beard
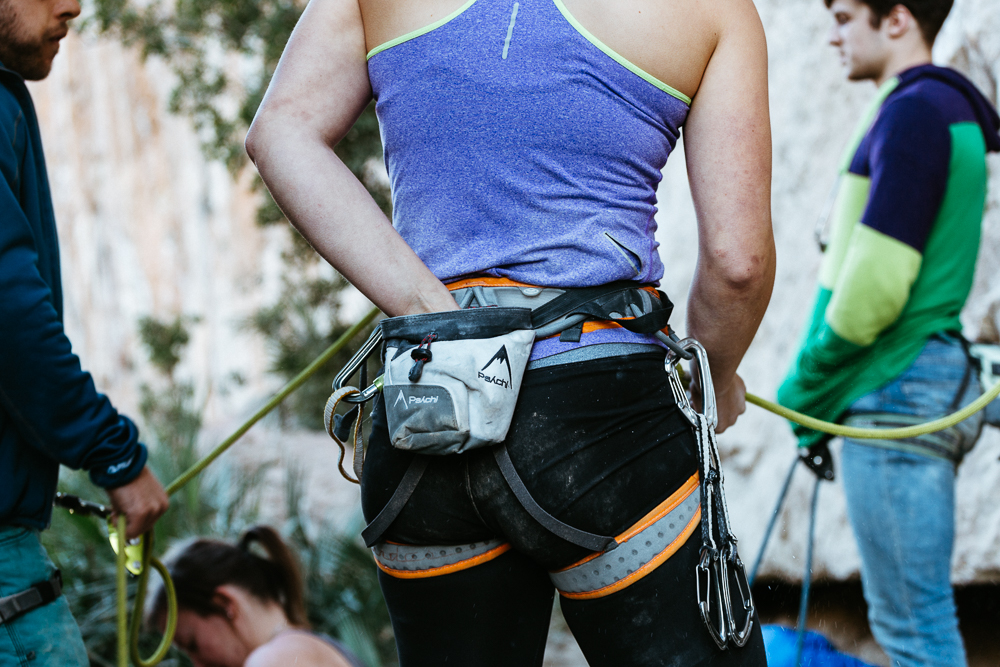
[23, 55]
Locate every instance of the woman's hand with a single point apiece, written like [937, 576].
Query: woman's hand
[730, 401]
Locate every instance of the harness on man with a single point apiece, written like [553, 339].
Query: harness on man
[430, 360]
[38, 595]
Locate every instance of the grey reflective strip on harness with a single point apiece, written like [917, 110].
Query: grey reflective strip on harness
[418, 560]
[631, 555]
[19, 604]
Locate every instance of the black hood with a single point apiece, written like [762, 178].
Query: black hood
[985, 113]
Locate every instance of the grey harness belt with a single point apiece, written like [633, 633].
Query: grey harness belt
[17, 605]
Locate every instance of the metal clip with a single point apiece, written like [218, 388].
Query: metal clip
[133, 549]
[352, 366]
[715, 570]
[731, 561]
[708, 566]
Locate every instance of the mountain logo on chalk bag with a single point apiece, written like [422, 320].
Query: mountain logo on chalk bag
[500, 358]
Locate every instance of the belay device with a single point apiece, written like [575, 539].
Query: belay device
[450, 384]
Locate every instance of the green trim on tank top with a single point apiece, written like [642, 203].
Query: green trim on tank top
[420, 31]
[617, 57]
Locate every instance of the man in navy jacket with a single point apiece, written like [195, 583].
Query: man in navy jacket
[50, 411]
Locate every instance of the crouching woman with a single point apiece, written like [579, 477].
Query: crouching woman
[238, 608]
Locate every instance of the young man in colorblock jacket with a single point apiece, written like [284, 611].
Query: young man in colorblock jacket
[50, 411]
[883, 347]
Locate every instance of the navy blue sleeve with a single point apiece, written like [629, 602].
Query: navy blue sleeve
[909, 160]
[51, 402]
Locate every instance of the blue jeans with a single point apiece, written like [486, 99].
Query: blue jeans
[901, 504]
[44, 637]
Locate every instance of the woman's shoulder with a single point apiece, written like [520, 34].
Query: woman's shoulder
[300, 648]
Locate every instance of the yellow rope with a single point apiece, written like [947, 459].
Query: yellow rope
[878, 433]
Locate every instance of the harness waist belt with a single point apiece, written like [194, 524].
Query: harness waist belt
[40, 594]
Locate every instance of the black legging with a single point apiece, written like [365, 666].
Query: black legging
[599, 444]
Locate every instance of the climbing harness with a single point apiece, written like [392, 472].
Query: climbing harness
[35, 596]
[429, 411]
[457, 387]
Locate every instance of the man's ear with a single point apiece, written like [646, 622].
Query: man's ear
[899, 22]
[226, 599]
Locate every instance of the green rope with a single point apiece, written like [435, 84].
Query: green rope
[128, 637]
[878, 433]
[122, 592]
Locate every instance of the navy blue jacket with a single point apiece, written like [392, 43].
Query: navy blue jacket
[50, 411]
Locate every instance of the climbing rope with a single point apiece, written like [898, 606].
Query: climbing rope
[878, 433]
[128, 633]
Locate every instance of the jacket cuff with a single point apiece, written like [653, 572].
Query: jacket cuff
[120, 473]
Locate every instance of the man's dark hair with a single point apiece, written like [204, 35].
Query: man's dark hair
[930, 14]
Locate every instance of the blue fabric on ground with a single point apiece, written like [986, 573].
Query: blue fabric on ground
[817, 651]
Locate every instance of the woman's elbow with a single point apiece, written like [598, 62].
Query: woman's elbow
[749, 273]
[256, 138]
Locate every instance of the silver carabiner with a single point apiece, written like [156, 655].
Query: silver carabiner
[708, 405]
[355, 363]
[731, 562]
[708, 565]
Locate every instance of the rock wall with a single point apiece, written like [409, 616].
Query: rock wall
[148, 227]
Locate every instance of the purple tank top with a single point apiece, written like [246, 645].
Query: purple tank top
[520, 146]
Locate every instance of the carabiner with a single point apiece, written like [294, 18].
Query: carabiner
[708, 566]
[352, 366]
[732, 562]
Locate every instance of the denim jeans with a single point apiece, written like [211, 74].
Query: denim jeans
[901, 504]
[46, 636]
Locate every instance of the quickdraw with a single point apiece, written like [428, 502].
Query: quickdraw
[719, 570]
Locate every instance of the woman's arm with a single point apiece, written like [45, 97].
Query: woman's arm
[319, 89]
[727, 141]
